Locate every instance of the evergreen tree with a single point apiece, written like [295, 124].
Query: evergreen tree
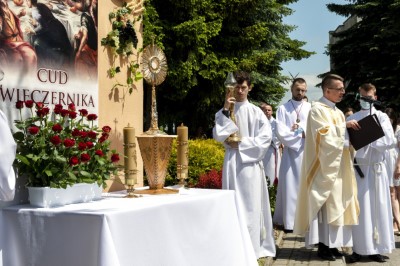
[204, 40]
[369, 50]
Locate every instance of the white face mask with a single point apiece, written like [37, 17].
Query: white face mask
[365, 105]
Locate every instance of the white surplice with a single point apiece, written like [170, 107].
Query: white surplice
[292, 155]
[374, 233]
[272, 159]
[243, 171]
[7, 156]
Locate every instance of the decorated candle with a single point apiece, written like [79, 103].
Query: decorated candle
[130, 156]
[182, 152]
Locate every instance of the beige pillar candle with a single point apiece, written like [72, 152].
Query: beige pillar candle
[130, 156]
[182, 152]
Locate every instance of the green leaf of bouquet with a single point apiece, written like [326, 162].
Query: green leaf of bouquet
[23, 159]
[85, 174]
[72, 176]
[48, 172]
[61, 159]
[19, 136]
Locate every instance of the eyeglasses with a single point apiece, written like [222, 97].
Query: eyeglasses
[338, 89]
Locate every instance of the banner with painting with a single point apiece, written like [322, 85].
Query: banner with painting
[48, 53]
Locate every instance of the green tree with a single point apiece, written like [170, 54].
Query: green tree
[369, 50]
[204, 40]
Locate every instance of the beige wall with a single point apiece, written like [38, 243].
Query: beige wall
[118, 108]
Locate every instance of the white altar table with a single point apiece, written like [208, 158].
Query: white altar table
[197, 227]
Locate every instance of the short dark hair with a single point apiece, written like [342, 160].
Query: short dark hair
[348, 109]
[327, 79]
[298, 80]
[262, 104]
[392, 114]
[242, 76]
[368, 87]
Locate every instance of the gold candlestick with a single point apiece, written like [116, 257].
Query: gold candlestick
[182, 155]
[130, 162]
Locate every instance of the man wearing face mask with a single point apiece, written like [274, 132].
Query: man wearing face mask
[373, 235]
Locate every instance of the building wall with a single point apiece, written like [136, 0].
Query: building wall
[118, 108]
[347, 24]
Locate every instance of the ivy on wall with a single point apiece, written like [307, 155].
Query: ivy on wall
[122, 43]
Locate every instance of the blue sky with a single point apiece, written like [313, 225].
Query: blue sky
[313, 21]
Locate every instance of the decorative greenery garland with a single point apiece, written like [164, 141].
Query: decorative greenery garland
[122, 41]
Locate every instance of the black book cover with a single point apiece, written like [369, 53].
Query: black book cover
[370, 131]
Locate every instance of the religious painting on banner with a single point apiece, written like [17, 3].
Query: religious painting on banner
[48, 53]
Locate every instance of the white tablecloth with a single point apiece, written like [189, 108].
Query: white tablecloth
[196, 227]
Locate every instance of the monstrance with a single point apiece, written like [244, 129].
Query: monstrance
[230, 84]
[155, 68]
[155, 145]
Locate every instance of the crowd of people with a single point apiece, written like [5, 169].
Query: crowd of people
[333, 194]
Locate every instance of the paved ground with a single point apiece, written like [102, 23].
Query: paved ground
[291, 251]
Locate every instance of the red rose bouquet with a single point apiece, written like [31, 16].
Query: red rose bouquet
[63, 147]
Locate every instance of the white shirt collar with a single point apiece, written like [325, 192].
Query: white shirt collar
[327, 102]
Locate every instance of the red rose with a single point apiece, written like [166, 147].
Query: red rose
[40, 113]
[45, 110]
[55, 140]
[39, 105]
[57, 128]
[92, 134]
[89, 144]
[72, 114]
[64, 112]
[115, 157]
[91, 117]
[102, 139]
[29, 103]
[69, 143]
[106, 129]
[104, 135]
[74, 160]
[71, 107]
[83, 112]
[33, 130]
[58, 108]
[99, 153]
[19, 104]
[76, 132]
[83, 134]
[81, 146]
[85, 157]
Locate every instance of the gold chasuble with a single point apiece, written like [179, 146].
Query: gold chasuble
[327, 174]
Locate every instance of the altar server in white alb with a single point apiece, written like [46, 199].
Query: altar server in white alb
[291, 120]
[243, 169]
[373, 235]
[7, 156]
[272, 159]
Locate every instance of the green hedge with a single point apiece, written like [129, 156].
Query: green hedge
[204, 155]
